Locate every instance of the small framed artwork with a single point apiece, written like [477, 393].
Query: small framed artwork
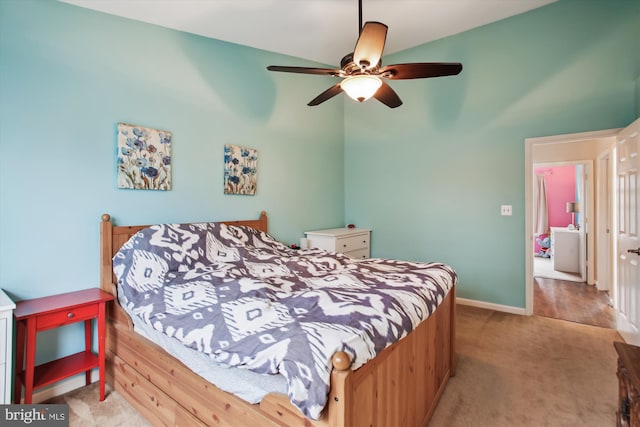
[240, 170]
[144, 158]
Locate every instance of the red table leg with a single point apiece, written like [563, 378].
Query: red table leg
[31, 360]
[20, 336]
[101, 345]
[87, 347]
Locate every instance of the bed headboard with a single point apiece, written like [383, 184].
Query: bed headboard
[112, 237]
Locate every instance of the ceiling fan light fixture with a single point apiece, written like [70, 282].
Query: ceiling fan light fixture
[361, 87]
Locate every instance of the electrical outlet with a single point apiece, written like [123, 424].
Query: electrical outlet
[506, 210]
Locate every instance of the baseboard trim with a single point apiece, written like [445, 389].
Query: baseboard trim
[63, 386]
[491, 306]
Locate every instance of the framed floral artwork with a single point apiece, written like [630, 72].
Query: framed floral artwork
[144, 158]
[240, 170]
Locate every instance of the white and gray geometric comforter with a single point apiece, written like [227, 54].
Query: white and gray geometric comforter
[249, 301]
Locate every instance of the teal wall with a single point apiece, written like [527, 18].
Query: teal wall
[68, 75]
[429, 177]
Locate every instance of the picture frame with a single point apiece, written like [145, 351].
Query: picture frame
[240, 170]
[144, 158]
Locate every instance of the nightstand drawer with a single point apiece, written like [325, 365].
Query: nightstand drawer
[347, 244]
[359, 253]
[355, 242]
[67, 316]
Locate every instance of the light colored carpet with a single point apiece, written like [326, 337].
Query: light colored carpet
[86, 410]
[513, 371]
[529, 371]
[543, 267]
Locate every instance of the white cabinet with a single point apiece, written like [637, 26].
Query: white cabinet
[565, 252]
[354, 242]
[6, 349]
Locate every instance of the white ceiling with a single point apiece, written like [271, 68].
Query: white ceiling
[319, 30]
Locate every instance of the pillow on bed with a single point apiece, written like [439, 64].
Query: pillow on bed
[182, 245]
[187, 246]
[145, 260]
[249, 236]
[230, 243]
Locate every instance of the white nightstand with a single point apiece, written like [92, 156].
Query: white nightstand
[6, 348]
[355, 242]
[565, 250]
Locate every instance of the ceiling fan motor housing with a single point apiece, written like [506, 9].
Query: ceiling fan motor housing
[350, 68]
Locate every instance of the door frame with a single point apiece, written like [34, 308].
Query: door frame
[529, 143]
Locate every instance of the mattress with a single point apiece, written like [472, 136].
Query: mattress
[247, 385]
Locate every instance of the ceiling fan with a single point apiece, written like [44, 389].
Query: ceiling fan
[362, 71]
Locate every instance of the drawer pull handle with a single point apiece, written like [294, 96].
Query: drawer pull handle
[70, 314]
[344, 246]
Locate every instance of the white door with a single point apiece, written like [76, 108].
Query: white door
[603, 234]
[628, 241]
[583, 175]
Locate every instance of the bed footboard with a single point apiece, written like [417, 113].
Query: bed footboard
[400, 387]
[403, 384]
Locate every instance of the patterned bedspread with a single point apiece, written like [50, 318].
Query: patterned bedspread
[249, 301]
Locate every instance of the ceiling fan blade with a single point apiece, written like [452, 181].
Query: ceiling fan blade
[327, 94]
[420, 70]
[305, 70]
[387, 96]
[370, 45]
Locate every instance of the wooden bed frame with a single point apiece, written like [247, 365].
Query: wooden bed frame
[400, 387]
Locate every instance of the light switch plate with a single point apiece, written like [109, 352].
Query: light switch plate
[506, 210]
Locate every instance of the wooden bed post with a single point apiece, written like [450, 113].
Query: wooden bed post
[263, 221]
[106, 253]
[340, 402]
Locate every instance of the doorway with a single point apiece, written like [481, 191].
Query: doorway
[559, 206]
[563, 149]
[561, 193]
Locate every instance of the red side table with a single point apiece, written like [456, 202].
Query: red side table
[50, 312]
